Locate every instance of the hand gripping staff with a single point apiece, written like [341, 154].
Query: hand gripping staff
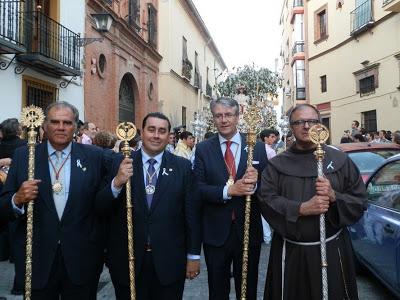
[252, 117]
[31, 117]
[319, 134]
[127, 131]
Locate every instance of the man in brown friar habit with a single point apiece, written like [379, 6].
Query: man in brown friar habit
[292, 197]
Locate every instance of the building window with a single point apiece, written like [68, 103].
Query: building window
[368, 120]
[183, 116]
[321, 24]
[38, 93]
[134, 14]
[367, 80]
[197, 82]
[152, 25]
[299, 72]
[186, 63]
[102, 64]
[367, 85]
[323, 84]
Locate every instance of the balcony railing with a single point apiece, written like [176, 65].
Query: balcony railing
[11, 18]
[300, 93]
[361, 18]
[208, 89]
[46, 38]
[384, 2]
[298, 47]
[298, 3]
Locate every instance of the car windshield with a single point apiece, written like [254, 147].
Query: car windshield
[368, 161]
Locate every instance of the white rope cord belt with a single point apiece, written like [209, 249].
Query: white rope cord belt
[336, 235]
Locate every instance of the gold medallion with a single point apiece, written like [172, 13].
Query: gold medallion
[57, 187]
[230, 181]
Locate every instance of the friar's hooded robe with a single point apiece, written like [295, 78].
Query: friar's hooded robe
[286, 182]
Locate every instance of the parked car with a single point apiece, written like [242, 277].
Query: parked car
[376, 237]
[369, 156]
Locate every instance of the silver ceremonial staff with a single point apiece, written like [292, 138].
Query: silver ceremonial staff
[319, 134]
[127, 131]
[31, 117]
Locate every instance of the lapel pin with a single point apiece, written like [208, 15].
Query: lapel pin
[246, 149]
[164, 172]
[330, 166]
[79, 165]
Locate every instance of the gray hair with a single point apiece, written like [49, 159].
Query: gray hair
[63, 104]
[227, 102]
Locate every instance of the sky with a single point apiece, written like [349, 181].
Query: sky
[245, 32]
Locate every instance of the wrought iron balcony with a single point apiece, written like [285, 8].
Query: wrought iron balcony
[50, 46]
[298, 3]
[391, 5]
[361, 18]
[11, 18]
[298, 47]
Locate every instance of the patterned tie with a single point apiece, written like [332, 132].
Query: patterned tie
[59, 198]
[151, 179]
[230, 160]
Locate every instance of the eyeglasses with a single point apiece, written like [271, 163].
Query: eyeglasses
[310, 123]
[228, 116]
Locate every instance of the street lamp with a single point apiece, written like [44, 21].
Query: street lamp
[103, 22]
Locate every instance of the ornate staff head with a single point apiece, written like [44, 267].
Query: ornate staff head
[319, 134]
[126, 131]
[32, 117]
[252, 118]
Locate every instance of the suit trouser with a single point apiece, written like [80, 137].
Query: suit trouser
[149, 287]
[59, 284]
[219, 261]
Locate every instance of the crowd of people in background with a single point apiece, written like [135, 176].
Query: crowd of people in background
[357, 135]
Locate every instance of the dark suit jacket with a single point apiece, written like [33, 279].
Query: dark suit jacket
[211, 174]
[173, 221]
[8, 146]
[78, 231]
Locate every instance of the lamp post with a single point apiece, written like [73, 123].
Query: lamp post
[284, 126]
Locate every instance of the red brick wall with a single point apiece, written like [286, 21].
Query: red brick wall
[126, 52]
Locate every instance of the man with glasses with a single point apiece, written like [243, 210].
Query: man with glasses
[292, 199]
[224, 181]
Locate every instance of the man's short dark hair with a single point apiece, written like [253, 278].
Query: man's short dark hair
[356, 122]
[157, 115]
[184, 135]
[63, 104]
[266, 133]
[10, 128]
[225, 101]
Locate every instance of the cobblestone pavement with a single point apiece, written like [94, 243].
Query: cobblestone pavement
[369, 288]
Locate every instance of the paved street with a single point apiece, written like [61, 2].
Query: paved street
[369, 288]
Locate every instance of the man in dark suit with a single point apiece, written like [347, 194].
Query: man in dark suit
[67, 249]
[224, 181]
[166, 217]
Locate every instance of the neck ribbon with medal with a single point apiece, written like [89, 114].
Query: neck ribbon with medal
[150, 188]
[231, 180]
[57, 185]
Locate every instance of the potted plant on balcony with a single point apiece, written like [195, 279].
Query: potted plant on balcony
[187, 69]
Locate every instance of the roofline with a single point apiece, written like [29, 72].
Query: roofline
[203, 27]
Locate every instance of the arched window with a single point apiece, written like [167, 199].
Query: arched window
[127, 99]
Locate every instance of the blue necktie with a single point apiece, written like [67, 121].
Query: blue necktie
[151, 179]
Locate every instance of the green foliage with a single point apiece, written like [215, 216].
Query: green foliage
[257, 82]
